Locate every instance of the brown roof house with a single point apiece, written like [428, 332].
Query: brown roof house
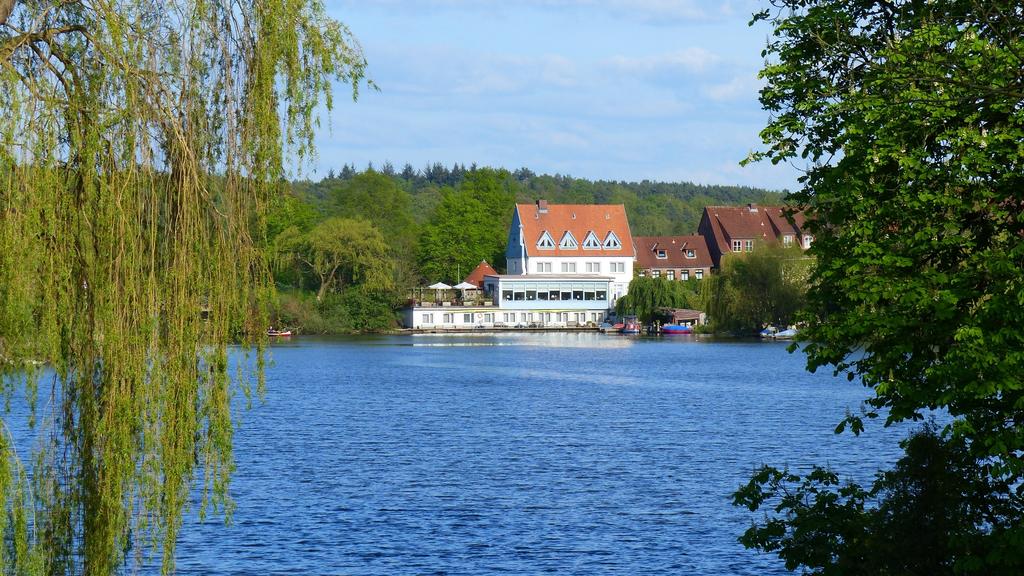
[729, 229]
[673, 257]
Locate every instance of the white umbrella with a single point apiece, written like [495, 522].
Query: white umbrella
[438, 287]
[465, 286]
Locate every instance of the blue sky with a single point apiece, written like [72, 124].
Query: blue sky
[602, 89]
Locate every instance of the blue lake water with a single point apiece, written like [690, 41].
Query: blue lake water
[520, 454]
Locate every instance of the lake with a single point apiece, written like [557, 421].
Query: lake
[565, 453]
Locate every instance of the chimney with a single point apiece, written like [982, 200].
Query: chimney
[542, 206]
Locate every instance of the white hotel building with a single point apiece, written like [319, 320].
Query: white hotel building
[567, 265]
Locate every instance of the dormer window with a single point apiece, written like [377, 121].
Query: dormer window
[612, 242]
[546, 242]
[591, 242]
[807, 240]
[662, 254]
[568, 242]
[690, 253]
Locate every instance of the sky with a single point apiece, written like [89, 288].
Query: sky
[631, 90]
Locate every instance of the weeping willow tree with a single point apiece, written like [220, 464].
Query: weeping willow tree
[139, 142]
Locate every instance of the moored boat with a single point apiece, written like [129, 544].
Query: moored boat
[676, 329]
[631, 326]
[278, 333]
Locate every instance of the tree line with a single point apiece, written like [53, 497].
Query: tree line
[346, 249]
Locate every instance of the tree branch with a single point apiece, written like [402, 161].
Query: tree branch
[6, 7]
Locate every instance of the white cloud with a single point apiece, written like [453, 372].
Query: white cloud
[693, 60]
[738, 88]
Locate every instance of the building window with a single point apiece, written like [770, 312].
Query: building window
[611, 241]
[662, 254]
[698, 274]
[467, 318]
[737, 245]
[690, 253]
[531, 294]
[655, 273]
[591, 242]
[449, 318]
[546, 242]
[684, 275]
[807, 240]
[618, 267]
[569, 267]
[489, 317]
[748, 245]
[671, 274]
[594, 267]
[543, 267]
[643, 273]
[602, 295]
[787, 240]
[568, 241]
[428, 318]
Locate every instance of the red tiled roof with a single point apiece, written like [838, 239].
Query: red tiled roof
[477, 275]
[647, 248]
[578, 219]
[751, 222]
[777, 217]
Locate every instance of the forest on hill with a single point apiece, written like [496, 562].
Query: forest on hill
[347, 248]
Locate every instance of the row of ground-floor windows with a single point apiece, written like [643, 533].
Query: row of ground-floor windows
[594, 295]
[671, 274]
[449, 318]
[514, 317]
[546, 317]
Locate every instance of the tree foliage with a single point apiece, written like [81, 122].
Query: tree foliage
[754, 289]
[930, 514]
[911, 113]
[648, 296]
[469, 225]
[139, 146]
[341, 251]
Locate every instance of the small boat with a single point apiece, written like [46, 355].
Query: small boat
[776, 334]
[279, 333]
[606, 327]
[631, 326]
[787, 334]
[676, 329]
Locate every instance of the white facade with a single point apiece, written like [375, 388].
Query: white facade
[465, 318]
[617, 268]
